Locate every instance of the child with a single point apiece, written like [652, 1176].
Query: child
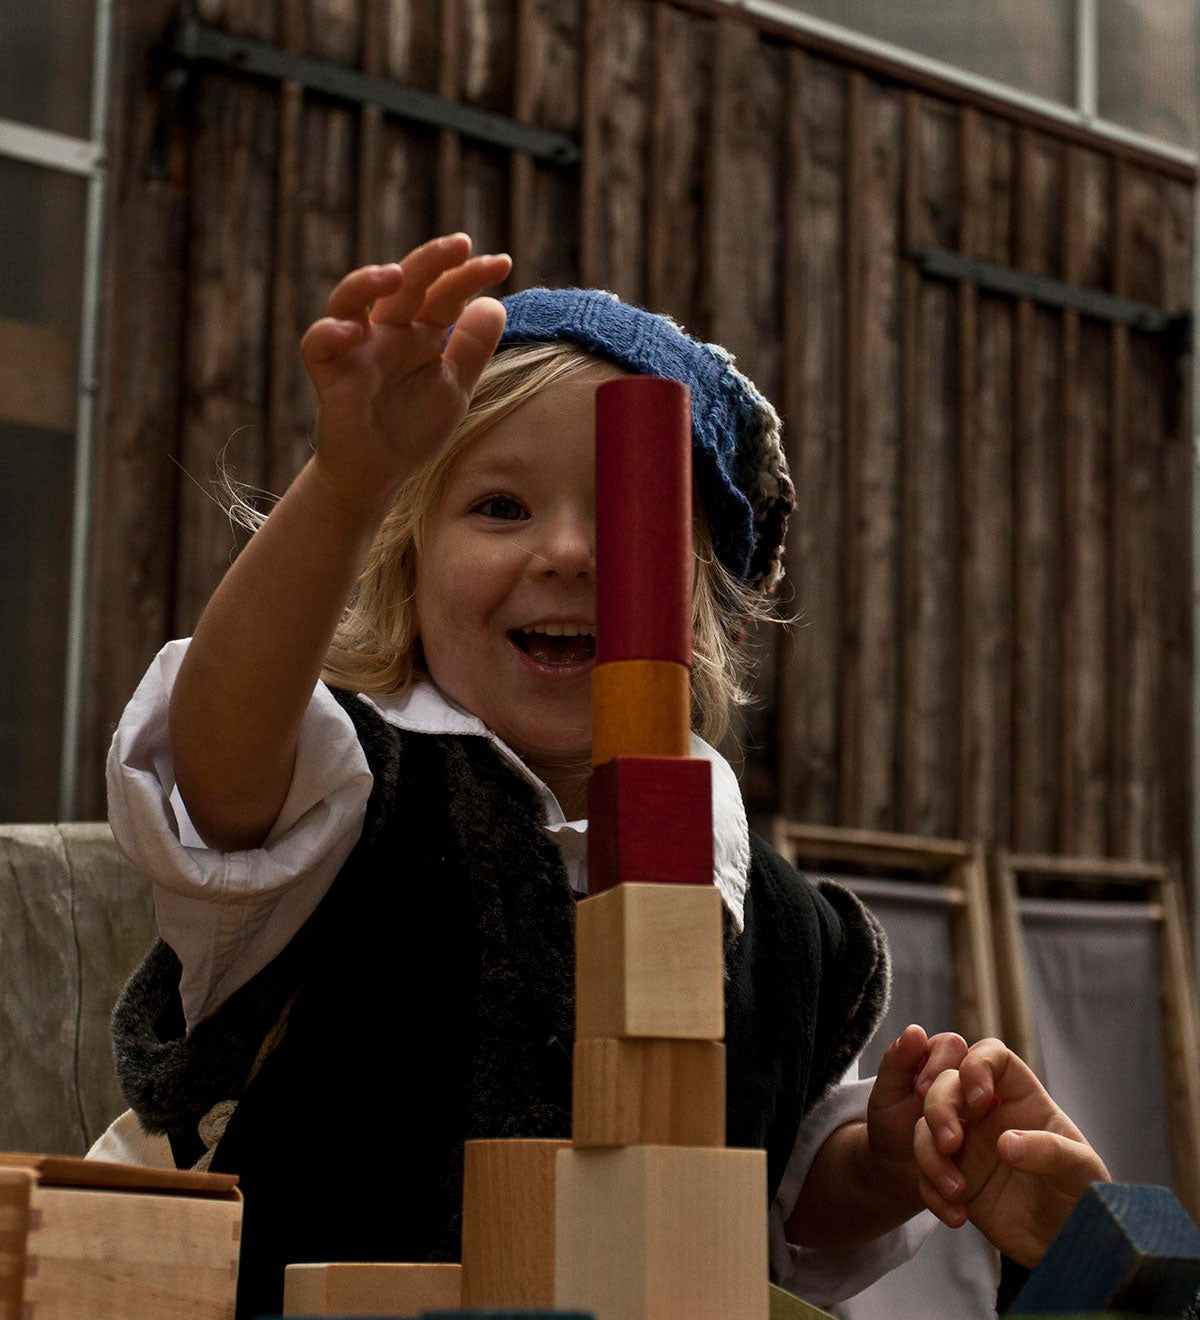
[367, 900]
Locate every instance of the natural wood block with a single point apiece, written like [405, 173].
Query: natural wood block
[640, 708]
[508, 1223]
[352, 1288]
[660, 1232]
[648, 963]
[650, 822]
[648, 1092]
[81, 1240]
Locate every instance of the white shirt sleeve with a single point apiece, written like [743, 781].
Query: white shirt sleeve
[824, 1276]
[227, 915]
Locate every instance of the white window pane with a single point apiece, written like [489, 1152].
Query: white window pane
[46, 63]
[41, 260]
[1148, 67]
[1027, 44]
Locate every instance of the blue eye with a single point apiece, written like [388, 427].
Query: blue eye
[502, 507]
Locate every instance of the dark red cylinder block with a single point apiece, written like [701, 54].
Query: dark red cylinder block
[643, 520]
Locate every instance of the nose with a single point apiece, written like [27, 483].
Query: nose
[567, 549]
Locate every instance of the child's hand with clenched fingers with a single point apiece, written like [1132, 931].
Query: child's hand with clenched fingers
[995, 1149]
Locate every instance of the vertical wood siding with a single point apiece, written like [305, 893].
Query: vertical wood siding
[988, 567]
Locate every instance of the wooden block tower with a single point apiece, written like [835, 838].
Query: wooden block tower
[655, 1218]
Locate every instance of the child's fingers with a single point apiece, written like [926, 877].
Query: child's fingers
[476, 334]
[353, 295]
[1070, 1164]
[421, 268]
[328, 339]
[943, 1111]
[949, 1212]
[946, 1051]
[935, 1165]
[981, 1071]
[897, 1066]
[451, 292]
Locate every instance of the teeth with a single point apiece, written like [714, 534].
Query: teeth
[563, 630]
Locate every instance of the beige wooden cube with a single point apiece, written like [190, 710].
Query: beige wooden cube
[648, 1092]
[352, 1288]
[648, 963]
[81, 1239]
[660, 1232]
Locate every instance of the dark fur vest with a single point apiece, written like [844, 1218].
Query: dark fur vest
[430, 999]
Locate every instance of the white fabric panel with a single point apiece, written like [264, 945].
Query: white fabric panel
[1092, 970]
[953, 1276]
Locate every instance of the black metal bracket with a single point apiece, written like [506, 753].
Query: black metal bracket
[1175, 329]
[190, 43]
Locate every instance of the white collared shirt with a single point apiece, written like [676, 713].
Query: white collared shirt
[227, 915]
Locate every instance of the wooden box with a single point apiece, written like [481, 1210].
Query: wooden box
[81, 1239]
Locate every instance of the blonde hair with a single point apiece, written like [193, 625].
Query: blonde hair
[376, 647]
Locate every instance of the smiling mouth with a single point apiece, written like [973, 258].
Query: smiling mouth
[566, 645]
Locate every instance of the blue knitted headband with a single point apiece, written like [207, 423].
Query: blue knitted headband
[737, 457]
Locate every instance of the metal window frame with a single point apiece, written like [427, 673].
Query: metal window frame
[1080, 115]
[83, 157]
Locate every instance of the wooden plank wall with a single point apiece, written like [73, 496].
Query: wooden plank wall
[989, 561]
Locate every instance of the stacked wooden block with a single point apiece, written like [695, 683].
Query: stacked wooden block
[655, 1218]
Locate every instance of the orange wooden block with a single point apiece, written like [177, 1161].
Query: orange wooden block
[508, 1223]
[662, 1232]
[648, 962]
[640, 708]
[648, 1092]
[81, 1238]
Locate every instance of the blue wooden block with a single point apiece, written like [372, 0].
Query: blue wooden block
[1124, 1248]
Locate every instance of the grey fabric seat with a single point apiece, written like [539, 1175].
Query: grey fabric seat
[75, 920]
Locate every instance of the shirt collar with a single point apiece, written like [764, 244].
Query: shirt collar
[424, 708]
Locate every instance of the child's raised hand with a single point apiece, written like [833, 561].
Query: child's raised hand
[905, 1073]
[994, 1148]
[391, 387]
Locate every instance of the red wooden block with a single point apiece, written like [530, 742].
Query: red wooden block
[643, 520]
[650, 822]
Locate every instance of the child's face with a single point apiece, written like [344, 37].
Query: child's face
[506, 586]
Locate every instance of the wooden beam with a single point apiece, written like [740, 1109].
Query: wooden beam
[968, 391]
[1121, 835]
[520, 198]
[795, 304]
[907, 787]
[1108, 869]
[852, 414]
[869, 847]
[370, 137]
[449, 156]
